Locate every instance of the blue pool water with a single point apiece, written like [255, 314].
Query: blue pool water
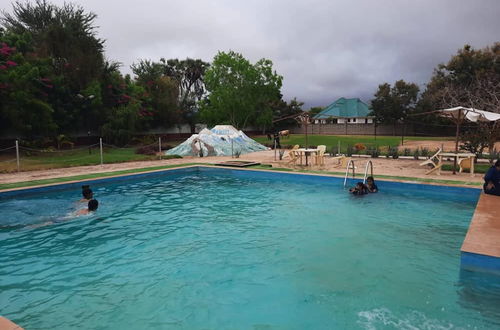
[226, 249]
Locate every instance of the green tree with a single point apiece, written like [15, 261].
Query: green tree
[160, 100]
[67, 35]
[189, 75]
[393, 104]
[471, 78]
[313, 111]
[240, 93]
[284, 113]
[24, 88]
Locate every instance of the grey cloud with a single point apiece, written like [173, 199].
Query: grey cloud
[324, 49]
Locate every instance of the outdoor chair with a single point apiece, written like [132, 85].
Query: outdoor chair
[320, 155]
[344, 161]
[435, 162]
[465, 164]
[293, 155]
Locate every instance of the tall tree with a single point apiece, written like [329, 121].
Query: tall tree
[189, 74]
[240, 93]
[471, 78]
[393, 104]
[283, 112]
[161, 92]
[25, 88]
[313, 111]
[66, 34]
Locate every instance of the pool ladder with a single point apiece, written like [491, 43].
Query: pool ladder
[350, 166]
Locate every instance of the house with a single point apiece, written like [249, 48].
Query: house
[345, 111]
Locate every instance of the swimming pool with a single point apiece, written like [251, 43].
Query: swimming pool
[208, 248]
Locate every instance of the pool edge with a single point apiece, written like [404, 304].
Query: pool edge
[481, 247]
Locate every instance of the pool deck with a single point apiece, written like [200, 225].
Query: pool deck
[6, 324]
[481, 247]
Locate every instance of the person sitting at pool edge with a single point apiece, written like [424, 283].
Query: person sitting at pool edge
[359, 189]
[370, 185]
[87, 194]
[92, 206]
[492, 180]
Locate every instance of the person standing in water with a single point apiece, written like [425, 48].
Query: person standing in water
[370, 185]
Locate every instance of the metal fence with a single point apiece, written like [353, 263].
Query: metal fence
[17, 157]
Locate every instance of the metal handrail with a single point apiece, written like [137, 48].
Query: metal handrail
[369, 162]
[347, 171]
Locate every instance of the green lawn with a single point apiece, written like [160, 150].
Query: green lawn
[47, 160]
[478, 168]
[345, 140]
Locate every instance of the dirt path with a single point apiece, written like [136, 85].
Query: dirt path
[433, 145]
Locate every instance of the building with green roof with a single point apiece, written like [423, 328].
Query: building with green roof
[342, 111]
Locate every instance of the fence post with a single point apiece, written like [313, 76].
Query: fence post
[159, 146]
[338, 150]
[232, 152]
[17, 156]
[100, 147]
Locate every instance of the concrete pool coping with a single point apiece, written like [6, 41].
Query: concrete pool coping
[482, 239]
[121, 173]
[6, 324]
[481, 246]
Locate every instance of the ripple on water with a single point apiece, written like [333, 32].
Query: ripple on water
[218, 251]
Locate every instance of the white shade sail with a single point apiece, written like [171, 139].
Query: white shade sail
[470, 114]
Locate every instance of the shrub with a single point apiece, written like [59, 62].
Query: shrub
[393, 152]
[144, 140]
[334, 151]
[424, 152]
[374, 152]
[416, 153]
[349, 150]
[359, 147]
[237, 154]
[406, 152]
[147, 150]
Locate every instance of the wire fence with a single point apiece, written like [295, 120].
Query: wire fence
[22, 158]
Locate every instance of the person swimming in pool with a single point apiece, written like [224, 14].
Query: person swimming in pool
[87, 194]
[91, 207]
[359, 189]
[370, 185]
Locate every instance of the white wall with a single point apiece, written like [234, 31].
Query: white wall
[361, 120]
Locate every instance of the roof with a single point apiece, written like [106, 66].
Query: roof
[345, 108]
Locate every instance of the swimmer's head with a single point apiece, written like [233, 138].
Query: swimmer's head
[93, 204]
[370, 179]
[359, 185]
[87, 193]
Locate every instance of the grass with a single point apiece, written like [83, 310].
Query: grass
[332, 140]
[478, 168]
[263, 166]
[58, 159]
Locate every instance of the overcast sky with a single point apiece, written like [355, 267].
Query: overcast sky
[324, 49]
